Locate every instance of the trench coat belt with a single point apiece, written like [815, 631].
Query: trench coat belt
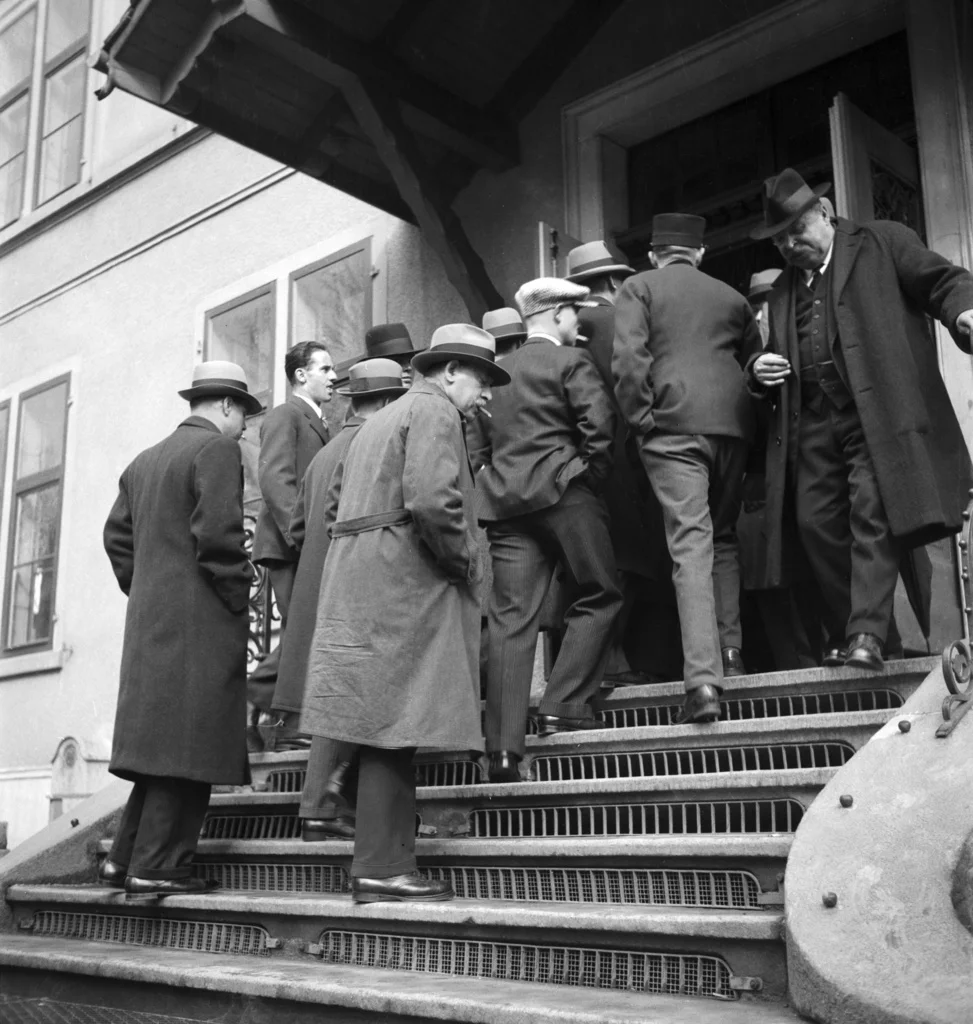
[376, 521]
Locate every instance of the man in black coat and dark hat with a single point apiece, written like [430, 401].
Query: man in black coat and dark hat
[865, 439]
[176, 544]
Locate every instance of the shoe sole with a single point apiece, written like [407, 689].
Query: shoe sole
[383, 898]
[711, 714]
[869, 666]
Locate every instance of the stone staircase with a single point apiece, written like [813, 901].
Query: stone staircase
[637, 875]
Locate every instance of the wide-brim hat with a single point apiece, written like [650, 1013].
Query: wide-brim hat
[762, 282]
[686, 229]
[382, 341]
[786, 196]
[466, 343]
[505, 324]
[593, 259]
[217, 378]
[373, 378]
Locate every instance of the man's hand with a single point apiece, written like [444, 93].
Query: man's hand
[772, 370]
[964, 323]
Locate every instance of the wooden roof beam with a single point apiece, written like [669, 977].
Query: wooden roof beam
[380, 119]
[311, 42]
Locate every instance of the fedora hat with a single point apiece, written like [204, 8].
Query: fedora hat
[786, 196]
[504, 324]
[593, 259]
[218, 378]
[678, 229]
[762, 282]
[468, 344]
[382, 341]
[544, 293]
[374, 377]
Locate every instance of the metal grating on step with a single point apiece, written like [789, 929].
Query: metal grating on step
[199, 936]
[744, 708]
[448, 773]
[286, 780]
[50, 1011]
[251, 826]
[691, 761]
[317, 878]
[697, 818]
[655, 973]
[672, 888]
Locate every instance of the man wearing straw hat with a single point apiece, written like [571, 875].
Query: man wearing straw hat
[865, 439]
[394, 660]
[372, 384]
[176, 544]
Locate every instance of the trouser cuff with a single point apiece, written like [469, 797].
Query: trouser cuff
[402, 867]
[565, 710]
[158, 874]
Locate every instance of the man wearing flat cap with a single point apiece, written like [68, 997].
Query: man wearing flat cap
[394, 660]
[865, 441]
[542, 457]
[682, 339]
[372, 384]
[176, 544]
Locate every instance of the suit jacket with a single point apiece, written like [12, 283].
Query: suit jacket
[682, 340]
[176, 544]
[554, 422]
[308, 531]
[290, 436]
[885, 282]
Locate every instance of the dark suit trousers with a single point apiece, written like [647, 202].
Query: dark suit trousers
[263, 679]
[842, 522]
[385, 830]
[698, 481]
[160, 825]
[525, 552]
[324, 756]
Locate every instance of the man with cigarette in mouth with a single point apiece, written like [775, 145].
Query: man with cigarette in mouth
[540, 461]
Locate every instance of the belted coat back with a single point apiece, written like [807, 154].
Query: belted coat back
[176, 544]
[395, 657]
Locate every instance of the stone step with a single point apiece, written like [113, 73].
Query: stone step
[236, 989]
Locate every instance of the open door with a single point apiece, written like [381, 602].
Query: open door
[876, 177]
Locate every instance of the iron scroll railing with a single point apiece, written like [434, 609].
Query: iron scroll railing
[263, 611]
[958, 656]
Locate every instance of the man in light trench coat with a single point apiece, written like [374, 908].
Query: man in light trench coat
[394, 663]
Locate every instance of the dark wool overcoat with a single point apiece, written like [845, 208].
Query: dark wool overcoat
[395, 656]
[885, 282]
[176, 544]
[309, 534]
[290, 436]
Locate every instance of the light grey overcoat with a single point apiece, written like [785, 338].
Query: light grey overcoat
[395, 657]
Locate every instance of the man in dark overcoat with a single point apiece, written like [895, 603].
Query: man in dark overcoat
[543, 455]
[865, 441]
[394, 660]
[372, 384]
[176, 544]
[290, 436]
[682, 339]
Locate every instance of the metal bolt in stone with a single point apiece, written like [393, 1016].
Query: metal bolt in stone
[904, 725]
[75, 823]
[846, 799]
[830, 900]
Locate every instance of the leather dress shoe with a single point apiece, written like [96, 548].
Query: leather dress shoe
[504, 766]
[547, 725]
[835, 655]
[702, 705]
[733, 663]
[112, 874]
[316, 830]
[865, 651]
[400, 889]
[155, 888]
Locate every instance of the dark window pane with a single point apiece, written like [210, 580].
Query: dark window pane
[244, 334]
[330, 305]
[16, 52]
[42, 419]
[63, 124]
[36, 528]
[32, 603]
[67, 23]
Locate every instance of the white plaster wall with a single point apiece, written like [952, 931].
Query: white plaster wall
[23, 801]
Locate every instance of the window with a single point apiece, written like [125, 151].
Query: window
[43, 76]
[35, 516]
[242, 332]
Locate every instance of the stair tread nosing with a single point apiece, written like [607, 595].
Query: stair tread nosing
[436, 997]
[589, 918]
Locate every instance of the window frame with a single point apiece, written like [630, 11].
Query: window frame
[22, 90]
[25, 486]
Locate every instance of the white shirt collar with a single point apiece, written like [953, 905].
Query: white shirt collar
[313, 405]
[822, 268]
[544, 334]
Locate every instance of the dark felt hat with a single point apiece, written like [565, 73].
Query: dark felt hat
[466, 343]
[762, 282]
[505, 324]
[373, 378]
[383, 341]
[786, 196]
[592, 260]
[218, 378]
[678, 229]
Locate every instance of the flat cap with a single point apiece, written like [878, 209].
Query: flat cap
[545, 293]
